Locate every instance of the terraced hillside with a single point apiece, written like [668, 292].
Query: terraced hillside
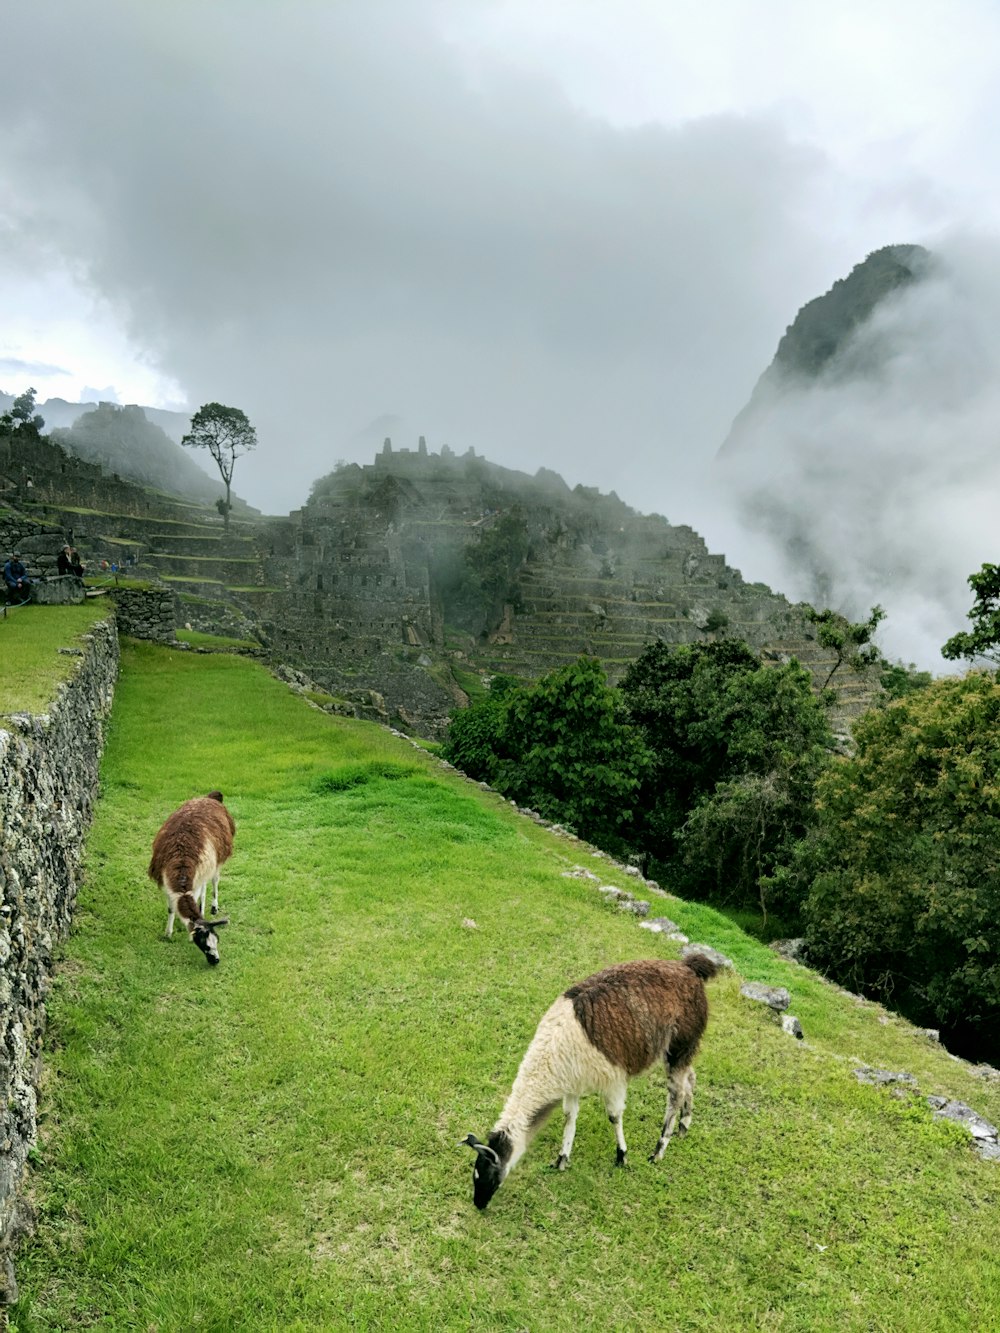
[399, 578]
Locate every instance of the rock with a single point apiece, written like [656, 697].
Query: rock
[775, 996]
[882, 1078]
[659, 923]
[961, 1114]
[8, 1282]
[791, 1025]
[636, 906]
[793, 950]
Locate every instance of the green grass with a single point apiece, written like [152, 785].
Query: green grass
[30, 637]
[271, 1144]
[198, 639]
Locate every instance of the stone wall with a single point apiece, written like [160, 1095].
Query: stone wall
[145, 613]
[48, 784]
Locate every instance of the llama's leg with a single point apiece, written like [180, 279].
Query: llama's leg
[571, 1105]
[687, 1107]
[614, 1104]
[676, 1082]
[170, 918]
[215, 893]
[199, 898]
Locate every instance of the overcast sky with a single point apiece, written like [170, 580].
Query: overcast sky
[564, 234]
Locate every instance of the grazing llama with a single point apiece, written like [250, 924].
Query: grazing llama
[599, 1034]
[188, 851]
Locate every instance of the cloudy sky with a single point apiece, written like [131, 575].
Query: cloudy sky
[564, 234]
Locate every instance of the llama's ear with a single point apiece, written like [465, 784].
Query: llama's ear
[217, 924]
[483, 1149]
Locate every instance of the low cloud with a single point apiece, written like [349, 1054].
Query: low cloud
[317, 213]
[884, 475]
[15, 367]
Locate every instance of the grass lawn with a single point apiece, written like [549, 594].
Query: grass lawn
[199, 639]
[271, 1144]
[30, 637]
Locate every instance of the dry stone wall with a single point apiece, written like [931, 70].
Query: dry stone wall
[48, 784]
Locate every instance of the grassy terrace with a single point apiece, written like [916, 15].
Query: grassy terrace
[30, 639]
[271, 1144]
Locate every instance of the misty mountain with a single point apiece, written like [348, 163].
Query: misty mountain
[125, 441]
[57, 414]
[864, 469]
[820, 342]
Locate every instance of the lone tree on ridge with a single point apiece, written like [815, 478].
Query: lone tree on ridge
[227, 434]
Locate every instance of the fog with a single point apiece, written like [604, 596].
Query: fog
[351, 220]
[885, 474]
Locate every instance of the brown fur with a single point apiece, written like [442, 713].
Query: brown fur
[636, 1013]
[198, 826]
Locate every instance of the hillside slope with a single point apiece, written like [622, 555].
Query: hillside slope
[272, 1143]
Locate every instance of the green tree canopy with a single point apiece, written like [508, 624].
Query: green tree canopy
[22, 415]
[227, 434]
[983, 640]
[736, 748]
[849, 641]
[561, 746]
[904, 900]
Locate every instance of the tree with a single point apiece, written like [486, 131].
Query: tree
[569, 752]
[22, 415]
[561, 746]
[983, 640]
[850, 642]
[736, 749]
[227, 434]
[904, 893]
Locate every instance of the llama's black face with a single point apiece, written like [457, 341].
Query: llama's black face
[207, 940]
[488, 1172]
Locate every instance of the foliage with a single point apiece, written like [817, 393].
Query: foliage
[473, 740]
[850, 642]
[475, 587]
[736, 750]
[717, 620]
[905, 882]
[21, 416]
[567, 750]
[227, 434]
[560, 746]
[983, 640]
[303, 1100]
[898, 680]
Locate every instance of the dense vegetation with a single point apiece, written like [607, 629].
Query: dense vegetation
[271, 1144]
[721, 775]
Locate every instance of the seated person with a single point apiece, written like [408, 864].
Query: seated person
[15, 577]
[68, 562]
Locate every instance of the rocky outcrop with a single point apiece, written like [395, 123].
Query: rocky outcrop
[48, 784]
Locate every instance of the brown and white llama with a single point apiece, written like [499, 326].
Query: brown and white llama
[188, 851]
[599, 1034]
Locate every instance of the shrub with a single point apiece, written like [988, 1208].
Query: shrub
[904, 899]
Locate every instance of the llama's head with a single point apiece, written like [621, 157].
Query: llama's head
[203, 934]
[491, 1166]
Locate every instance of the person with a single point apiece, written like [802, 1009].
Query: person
[15, 578]
[68, 562]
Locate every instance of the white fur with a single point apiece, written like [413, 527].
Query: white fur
[561, 1064]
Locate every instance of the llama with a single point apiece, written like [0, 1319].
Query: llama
[188, 852]
[595, 1037]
